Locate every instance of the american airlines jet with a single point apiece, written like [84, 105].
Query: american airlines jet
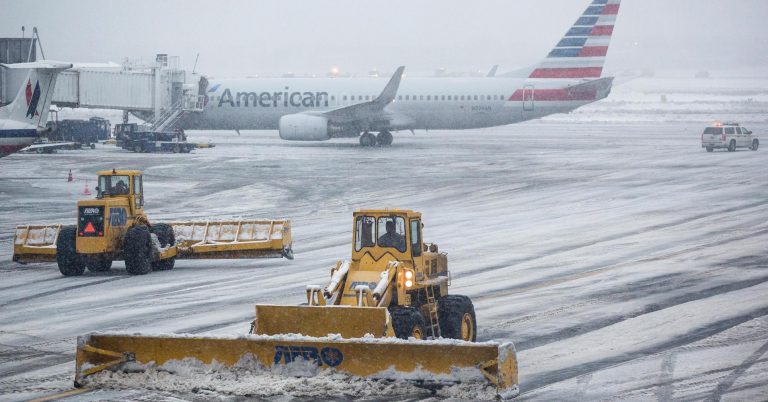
[23, 120]
[324, 108]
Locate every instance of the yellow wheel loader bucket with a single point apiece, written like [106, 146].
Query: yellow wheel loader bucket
[319, 321]
[438, 362]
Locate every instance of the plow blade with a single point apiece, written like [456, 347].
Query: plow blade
[233, 239]
[194, 240]
[35, 243]
[319, 321]
[438, 362]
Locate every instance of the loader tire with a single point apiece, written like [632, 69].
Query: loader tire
[137, 250]
[165, 236]
[408, 323]
[98, 263]
[70, 263]
[457, 318]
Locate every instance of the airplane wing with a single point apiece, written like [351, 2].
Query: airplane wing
[371, 110]
[47, 147]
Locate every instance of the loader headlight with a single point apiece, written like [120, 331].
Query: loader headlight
[408, 274]
[408, 283]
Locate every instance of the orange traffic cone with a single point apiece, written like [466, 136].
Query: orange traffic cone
[86, 190]
[69, 178]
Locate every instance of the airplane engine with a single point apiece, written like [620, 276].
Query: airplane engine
[302, 127]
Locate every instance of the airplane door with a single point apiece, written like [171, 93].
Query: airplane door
[528, 98]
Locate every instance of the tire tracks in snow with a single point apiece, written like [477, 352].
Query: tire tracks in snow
[615, 237]
[568, 373]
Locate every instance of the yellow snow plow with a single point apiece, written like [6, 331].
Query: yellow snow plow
[386, 314]
[114, 227]
[437, 362]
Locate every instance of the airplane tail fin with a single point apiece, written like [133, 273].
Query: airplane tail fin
[581, 52]
[34, 98]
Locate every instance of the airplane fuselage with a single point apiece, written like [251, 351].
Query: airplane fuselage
[421, 103]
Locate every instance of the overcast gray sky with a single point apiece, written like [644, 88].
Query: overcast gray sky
[242, 38]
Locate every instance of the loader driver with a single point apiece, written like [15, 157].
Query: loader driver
[120, 188]
[392, 238]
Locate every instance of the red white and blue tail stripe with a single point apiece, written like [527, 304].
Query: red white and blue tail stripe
[581, 52]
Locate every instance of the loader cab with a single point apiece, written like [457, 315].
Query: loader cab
[124, 184]
[381, 236]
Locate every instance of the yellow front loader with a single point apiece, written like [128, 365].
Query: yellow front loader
[386, 314]
[114, 227]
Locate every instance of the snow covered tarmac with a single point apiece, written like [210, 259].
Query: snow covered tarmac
[622, 259]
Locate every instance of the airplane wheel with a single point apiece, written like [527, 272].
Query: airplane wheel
[367, 139]
[384, 138]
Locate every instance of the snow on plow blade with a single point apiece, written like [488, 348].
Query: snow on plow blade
[439, 362]
[348, 322]
[210, 240]
[35, 243]
[233, 239]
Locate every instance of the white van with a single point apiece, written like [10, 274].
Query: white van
[729, 136]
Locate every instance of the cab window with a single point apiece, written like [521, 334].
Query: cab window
[364, 230]
[138, 189]
[113, 185]
[415, 238]
[391, 232]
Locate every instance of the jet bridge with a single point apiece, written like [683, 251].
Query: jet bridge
[159, 93]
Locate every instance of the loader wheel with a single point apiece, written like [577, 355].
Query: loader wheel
[137, 250]
[408, 322]
[457, 318]
[70, 263]
[98, 263]
[165, 236]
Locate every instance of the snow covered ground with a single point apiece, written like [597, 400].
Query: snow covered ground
[623, 260]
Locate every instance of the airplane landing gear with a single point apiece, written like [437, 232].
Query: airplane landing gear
[384, 138]
[367, 139]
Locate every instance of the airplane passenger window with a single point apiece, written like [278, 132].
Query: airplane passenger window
[442, 97]
[455, 97]
[449, 97]
[429, 97]
[462, 97]
[421, 97]
[407, 97]
[495, 98]
[489, 97]
[475, 97]
[399, 97]
[501, 97]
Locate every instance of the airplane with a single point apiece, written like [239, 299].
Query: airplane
[23, 120]
[318, 109]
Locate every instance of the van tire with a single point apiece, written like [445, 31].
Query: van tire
[755, 145]
[732, 146]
